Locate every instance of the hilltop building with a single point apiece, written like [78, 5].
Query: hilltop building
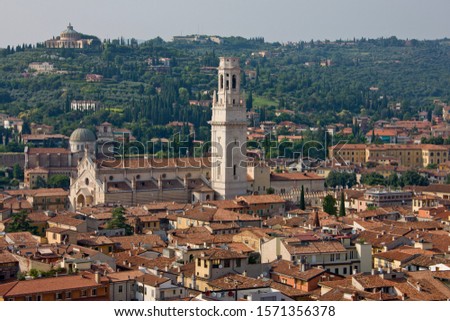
[69, 38]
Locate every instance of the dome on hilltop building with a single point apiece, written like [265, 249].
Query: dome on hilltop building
[70, 33]
[82, 135]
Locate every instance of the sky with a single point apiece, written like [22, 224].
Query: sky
[31, 21]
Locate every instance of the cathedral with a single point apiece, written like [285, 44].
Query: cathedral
[134, 181]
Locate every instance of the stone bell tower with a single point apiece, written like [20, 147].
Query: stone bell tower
[229, 133]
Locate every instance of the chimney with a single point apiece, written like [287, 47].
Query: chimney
[97, 277]
[244, 273]
[373, 272]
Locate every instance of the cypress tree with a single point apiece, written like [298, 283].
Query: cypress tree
[342, 205]
[302, 204]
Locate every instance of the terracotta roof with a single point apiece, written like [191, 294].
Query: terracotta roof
[216, 253]
[287, 268]
[261, 199]
[38, 217]
[349, 146]
[56, 230]
[395, 255]
[239, 247]
[155, 163]
[294, 176]
[316, 247]
[54, 284]
[128, 242]
[93, 240]
[43, 150]
[66, 220]
[124, 276]
[426, 261]
[288, 290]
[236, 281]
[39, 192]
[152, 280]
[6, 257]
[18, 238]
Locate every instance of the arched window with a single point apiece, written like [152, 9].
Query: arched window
[221, 81]
[233, 82]
[228, 82]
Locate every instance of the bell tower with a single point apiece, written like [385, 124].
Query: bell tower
[229, 133]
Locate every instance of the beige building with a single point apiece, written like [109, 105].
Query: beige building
[415, 156]
[69, 38]
[333, 256]
[41, 67]
[286, 183]
[212, 264]
[348, 153]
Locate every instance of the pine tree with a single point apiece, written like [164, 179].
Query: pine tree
[302, 204]
[342, 205]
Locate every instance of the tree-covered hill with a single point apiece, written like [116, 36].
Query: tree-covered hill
[323, 82]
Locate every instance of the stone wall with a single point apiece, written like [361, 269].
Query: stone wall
[9, 159]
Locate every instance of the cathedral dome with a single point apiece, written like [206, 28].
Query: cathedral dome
[70, 33]
[82, 135]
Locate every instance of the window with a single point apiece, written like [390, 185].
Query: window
[234, 170]
[338, 257]
[94, 292]
[83, 293]
[58, 296]
[226, 263]
[69, 295]
[331, 257]
[336, 270]
[28, 298]
[120, 288]
[345, 270]
[215, 263]
[39, 297]
[233, 82]
[238, 261]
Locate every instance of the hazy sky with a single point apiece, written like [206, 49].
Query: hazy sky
[31, 21]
